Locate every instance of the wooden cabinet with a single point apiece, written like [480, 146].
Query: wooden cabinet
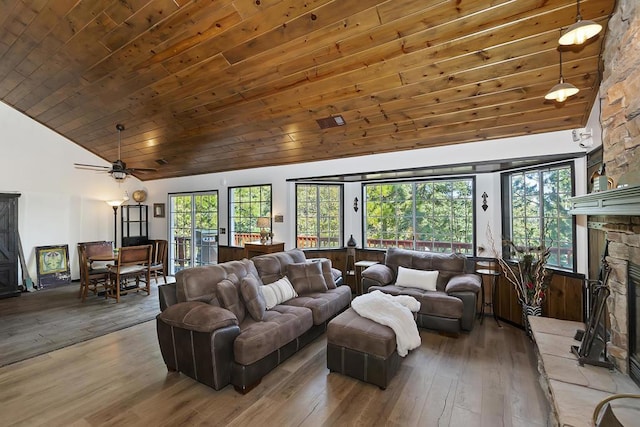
[252, 249]
[9, 245]
[134, 223]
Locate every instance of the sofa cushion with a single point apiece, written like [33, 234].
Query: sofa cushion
[324, 305]
[420, 279]
[306, 277]
[433, 303]
[328, 273]
[279, 326]
[448, 265]
[252, 296]
[464, 283]
[230, 298]
[278, 292]
[271, 267]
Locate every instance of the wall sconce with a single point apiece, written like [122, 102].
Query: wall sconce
[484, 201]
[355, 204]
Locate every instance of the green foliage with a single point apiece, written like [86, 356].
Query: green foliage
[429, 215]
[540, 212]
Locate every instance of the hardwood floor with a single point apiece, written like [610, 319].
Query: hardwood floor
[486, 378]
[39, 322]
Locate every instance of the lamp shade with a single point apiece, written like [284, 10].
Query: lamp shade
[580, 32]
[263, 222]
[561, 92]
[114, 203]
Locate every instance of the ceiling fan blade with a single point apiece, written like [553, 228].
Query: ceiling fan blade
[84, 166]
[141, 170]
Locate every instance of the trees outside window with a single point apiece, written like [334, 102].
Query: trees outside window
[434, 215]
[246, 205]
[537, 211]
[193, 231]
[318, 216]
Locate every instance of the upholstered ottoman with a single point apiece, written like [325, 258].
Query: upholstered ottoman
[362, 349]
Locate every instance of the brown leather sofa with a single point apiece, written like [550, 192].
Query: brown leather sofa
[451, 307]
[208, 328]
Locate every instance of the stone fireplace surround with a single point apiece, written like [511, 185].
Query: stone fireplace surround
[575, 390]
[620, 119]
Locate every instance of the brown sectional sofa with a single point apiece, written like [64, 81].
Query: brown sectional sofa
[215, 329]
[449, 308]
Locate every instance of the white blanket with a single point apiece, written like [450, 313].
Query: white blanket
[394, 312]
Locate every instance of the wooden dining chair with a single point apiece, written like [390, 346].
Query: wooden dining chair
[134, 262]
[92, 277]
[159, 259]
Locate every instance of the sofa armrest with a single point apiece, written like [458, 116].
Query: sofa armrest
[168, 296]
[197, 339]
[376, 275]
[197, 316]
[464, 283]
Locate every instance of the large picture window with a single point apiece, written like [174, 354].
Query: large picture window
[318, 216]
[246, 205]
[435, 215]
[537, 206]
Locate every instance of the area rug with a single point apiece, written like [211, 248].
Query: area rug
[38, 322]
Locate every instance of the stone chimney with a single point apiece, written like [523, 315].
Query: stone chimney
[620, 118]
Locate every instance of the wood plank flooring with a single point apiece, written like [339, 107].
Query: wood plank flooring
[39, 322]
[486, 378]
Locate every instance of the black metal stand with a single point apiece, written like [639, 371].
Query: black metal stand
[593, 349]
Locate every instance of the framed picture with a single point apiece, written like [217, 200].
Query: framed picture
[158, 210]
[53, 265]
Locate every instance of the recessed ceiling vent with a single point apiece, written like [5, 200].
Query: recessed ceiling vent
[331, 122]
[162, 162]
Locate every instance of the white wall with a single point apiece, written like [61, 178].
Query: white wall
[283, 191]
[61, 204]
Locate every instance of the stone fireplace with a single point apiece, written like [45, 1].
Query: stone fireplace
[620, 119]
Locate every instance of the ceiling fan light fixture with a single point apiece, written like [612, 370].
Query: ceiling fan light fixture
[580, 31]
[119, 175]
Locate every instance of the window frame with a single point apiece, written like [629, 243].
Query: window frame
[194, 248]
[340, 215]
[507, 213]
[230, 205]
[472, 204]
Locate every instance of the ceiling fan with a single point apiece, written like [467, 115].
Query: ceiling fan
[118, 170]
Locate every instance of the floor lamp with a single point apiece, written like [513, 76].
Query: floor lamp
[114, 204]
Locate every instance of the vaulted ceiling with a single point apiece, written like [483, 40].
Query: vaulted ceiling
[217, 85]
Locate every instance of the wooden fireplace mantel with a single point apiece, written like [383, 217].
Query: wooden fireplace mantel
[617, 201]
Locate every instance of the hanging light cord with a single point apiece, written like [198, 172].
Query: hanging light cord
[578, 16]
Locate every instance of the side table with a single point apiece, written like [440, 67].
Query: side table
[493, 274]
[361, 265]
[252, 249]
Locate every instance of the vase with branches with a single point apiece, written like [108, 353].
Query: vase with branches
[524, 268]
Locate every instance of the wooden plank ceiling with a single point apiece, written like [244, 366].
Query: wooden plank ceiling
[219, 85]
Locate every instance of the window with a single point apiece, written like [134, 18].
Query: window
[537, 205]
[435, 215]
[193, 233]
[246, 205]
[318, 216]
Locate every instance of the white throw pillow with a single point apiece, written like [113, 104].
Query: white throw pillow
[278, 292]
[421, 279]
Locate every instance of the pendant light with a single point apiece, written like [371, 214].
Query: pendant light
[579, 32]
[562, 90]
